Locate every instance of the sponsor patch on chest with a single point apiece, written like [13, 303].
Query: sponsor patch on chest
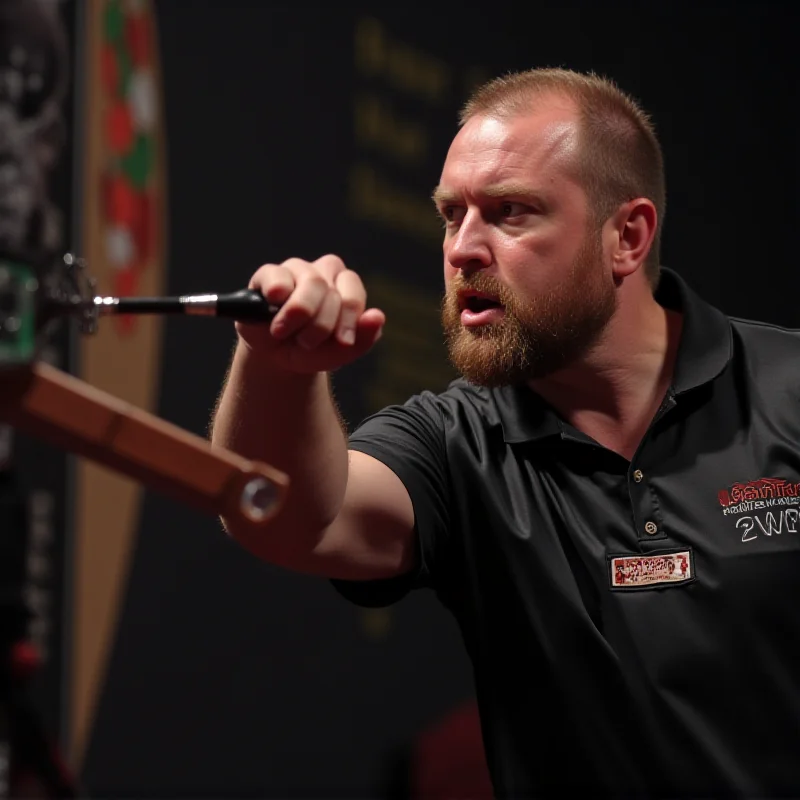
[651, 570]
[762, 508]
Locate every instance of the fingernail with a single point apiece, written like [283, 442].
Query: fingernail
[347, 327]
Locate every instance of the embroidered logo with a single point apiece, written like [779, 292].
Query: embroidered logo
[777, 494]
[645, 571]
[735, 499]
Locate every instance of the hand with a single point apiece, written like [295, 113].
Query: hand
[323, 322]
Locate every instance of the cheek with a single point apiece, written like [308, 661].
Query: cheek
[540, 259]
[553, 247]
[539, 268]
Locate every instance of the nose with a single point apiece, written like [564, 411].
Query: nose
[468, 248]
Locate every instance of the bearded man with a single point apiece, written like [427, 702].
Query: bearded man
[563, 498]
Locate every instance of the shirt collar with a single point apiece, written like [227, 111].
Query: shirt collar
[704, 351]
[706, 344]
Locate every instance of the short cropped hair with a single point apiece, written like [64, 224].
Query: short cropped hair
[619, 155]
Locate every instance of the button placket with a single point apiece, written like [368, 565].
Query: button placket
[645, 517]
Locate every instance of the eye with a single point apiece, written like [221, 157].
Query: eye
[509, 209]
[452, 215]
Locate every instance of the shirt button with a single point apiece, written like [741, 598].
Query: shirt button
[651, 528]
[638, 475]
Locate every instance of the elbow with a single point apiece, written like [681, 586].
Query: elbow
[278, 542]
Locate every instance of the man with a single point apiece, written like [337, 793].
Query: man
[564, 499]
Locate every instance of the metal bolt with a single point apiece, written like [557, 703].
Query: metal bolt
[258, 499]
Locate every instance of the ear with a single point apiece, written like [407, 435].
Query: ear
[630, 234]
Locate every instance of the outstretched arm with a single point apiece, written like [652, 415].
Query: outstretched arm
[346, 515]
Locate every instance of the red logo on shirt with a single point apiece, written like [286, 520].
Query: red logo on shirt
[767, 507]
[762, 489]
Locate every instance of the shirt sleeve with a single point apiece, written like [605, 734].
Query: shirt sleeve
[409, 439]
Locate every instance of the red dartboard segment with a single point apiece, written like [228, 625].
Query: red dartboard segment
[119, 128]
[137, 39]
[109, 69]
[123, 204]
[128, 64]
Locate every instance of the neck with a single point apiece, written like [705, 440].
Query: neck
[614, 392]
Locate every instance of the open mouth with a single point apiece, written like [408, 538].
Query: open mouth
[478, 310]
[477, 303]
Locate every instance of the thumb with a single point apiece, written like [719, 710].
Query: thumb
[332, 354]
[368, 330]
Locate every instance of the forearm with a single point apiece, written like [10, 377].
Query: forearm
[290, 422]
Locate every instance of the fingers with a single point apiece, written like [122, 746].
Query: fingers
[318, 300]
[353, 301]
[331, 354]
[329, 267]
[275, 282]
[320, 326]
[304, 303]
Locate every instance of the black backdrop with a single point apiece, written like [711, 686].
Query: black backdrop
[296, 130]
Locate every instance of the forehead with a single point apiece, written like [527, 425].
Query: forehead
[538, 147]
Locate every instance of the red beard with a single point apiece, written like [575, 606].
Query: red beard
[536, 336]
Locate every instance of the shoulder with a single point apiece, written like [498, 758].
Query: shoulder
[767, 343]
[765, 332]
[767, 358]
[461, 404]
[462, 412]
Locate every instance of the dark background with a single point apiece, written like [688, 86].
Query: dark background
[230, 678]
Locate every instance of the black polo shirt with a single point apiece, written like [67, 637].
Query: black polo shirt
[634, 627]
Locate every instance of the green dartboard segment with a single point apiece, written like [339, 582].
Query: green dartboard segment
[17, 314]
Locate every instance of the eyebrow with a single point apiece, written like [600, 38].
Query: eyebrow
[442, 196]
